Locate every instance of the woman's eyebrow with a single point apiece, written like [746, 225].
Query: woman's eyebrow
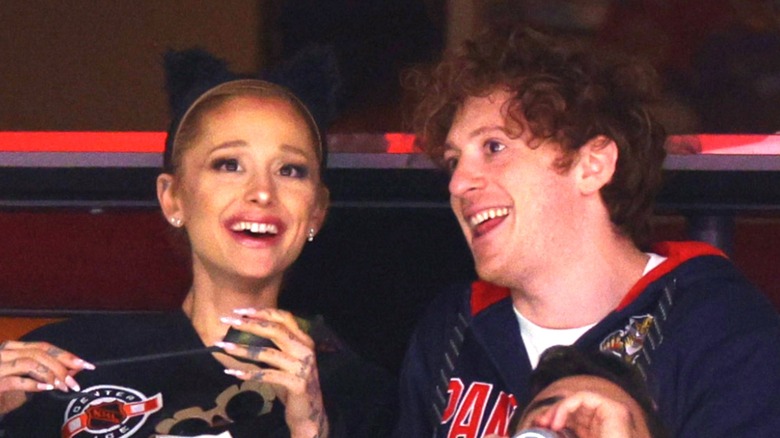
[228, 145]
[297, 150]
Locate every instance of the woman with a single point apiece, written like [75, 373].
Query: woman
[243, 181]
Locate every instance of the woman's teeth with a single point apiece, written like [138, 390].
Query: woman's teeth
[255, 227]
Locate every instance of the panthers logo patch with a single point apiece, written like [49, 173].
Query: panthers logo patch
[629, 342]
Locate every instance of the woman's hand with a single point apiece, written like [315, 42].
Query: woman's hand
[34, 367]
[292, 368]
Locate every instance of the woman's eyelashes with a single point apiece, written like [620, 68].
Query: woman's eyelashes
[226, 165]
[298, 171]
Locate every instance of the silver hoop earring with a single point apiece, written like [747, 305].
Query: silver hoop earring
[310, 238]
[176, 222]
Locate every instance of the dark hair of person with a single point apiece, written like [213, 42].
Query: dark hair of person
[561, 92]
[559, 362]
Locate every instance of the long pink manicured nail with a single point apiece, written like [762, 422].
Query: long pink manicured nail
[245, 311]
[84, 364]
[44, 386]
[230, 320]
[225, 345]
[61, 386]
[72, 384]
[234, 372]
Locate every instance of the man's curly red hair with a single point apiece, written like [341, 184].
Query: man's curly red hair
[562, 92]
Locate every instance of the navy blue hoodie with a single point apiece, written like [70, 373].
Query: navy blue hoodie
[711, 356]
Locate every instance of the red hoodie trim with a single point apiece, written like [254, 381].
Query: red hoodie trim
[484, 294]
[676, 253]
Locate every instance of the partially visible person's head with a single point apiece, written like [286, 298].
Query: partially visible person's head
[243, 179]
[563, 371]
[561, 94]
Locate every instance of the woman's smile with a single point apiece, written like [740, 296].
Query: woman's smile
[256, 233]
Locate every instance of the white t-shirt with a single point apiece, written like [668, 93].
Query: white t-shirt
[537, 339]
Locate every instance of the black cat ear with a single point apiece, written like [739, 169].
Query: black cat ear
[189, 73]
[313, 75]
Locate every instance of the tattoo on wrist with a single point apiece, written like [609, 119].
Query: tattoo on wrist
[305, 366]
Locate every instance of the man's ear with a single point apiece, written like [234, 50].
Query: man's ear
[596, 164]
[166, 196]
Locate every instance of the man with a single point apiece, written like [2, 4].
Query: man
[554, 165]
[589, 395]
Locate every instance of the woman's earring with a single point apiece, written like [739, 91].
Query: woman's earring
[311, 235]
[176, 222]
